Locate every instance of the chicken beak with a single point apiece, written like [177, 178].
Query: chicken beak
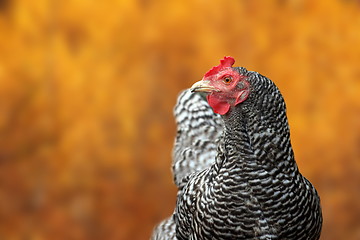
[203, 86]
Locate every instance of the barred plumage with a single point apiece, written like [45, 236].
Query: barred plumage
[253, 189]
[165, 230]
[198, 129]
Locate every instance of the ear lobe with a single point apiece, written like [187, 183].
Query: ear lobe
[242, 95]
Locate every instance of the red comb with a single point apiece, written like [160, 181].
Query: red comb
[224, 63]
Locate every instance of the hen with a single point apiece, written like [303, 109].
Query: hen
[253, 188]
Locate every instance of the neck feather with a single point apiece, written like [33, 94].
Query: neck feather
[257, 136]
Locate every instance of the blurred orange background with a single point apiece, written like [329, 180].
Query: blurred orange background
[87, 90]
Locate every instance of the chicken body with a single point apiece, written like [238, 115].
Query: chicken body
[252, 189]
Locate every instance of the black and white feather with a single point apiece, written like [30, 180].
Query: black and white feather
[166, 230]
[198, 130]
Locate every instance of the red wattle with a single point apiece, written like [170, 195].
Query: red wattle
[217, 105]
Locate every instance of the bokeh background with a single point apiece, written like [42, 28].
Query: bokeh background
[87, 90]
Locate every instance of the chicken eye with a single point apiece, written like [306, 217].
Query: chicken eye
[227, 80]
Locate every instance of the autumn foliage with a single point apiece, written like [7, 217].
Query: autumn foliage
[87, 90]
